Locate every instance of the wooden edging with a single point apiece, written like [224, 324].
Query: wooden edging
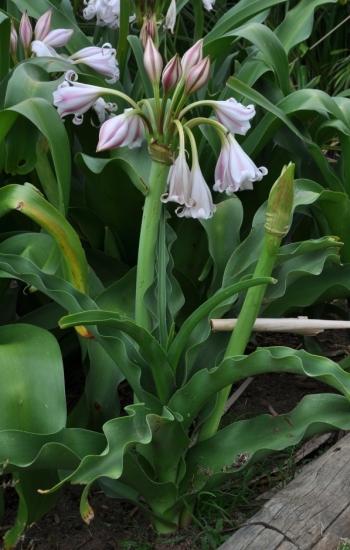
[312, 512]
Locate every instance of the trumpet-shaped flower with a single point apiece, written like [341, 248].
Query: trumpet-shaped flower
[102, 60]
[192, 57]
[179, 182]
[170, 18]
[75, 98]
[234, 116]
[125, 130]
[235, 170]
[43, 25]
[201, 202]
[107, 12]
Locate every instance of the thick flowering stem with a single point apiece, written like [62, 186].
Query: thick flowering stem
[148, 240]
[277, 224]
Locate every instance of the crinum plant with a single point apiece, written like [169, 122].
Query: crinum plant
[167, 446]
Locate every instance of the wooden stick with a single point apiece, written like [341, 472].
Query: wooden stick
[298, 325]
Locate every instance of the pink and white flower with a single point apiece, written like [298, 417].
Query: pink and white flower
[58, 38]
[235, 170]
[75, 98]
[40, 49]
[152, 61]
[13, 40]
[198, 76]
[201, 202]
[171, 74]
[179, 182]
[102, 60]
[125, 130]
[192, 57]
[25, 31]
[234, 116]
[43, 25]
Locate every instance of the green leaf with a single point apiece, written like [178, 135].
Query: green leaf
[125, 13]
[136, 164]
[152, 352]
[44, 116]
[5, 28]
[32, 395]
[190, 399]
[298, 23]
[209, 461]
[236, 16]
[29, 201]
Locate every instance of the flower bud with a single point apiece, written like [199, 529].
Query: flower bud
[13, 40]
[58, 37]
[280, 203]
[125, 130]
[25, 31]
[148, 30]
[171, 74]
[192, 57]
[43, 25]
[170, 18]
[153, 62]
[198, 76]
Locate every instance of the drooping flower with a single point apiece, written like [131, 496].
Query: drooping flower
[170, 18]
[102, 60]
[179, 182]
[107, 12]
[208, 4]
[192, 57]
[125, 130]
[235, 170]
[233, 115]
[198, 76]
[152, 61]
[25, 30]
[201, 202]
[171, 74]
[43, 25]
[75, 98]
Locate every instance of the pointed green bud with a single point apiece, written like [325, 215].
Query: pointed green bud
[280, 203]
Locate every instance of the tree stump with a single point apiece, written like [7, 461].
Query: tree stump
[312, 512]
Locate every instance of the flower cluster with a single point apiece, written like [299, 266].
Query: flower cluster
[106, 12]
[100, 59]
[163, 122]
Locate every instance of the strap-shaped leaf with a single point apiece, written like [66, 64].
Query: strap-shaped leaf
[243, 442]
[190, 399]
[151, 350]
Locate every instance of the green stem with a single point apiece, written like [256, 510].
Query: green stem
[246, 319]
[148, 240]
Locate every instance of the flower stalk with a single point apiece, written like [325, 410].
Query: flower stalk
[278, 218]
[148, 240]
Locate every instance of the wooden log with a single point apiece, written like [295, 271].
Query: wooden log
[311, 513]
